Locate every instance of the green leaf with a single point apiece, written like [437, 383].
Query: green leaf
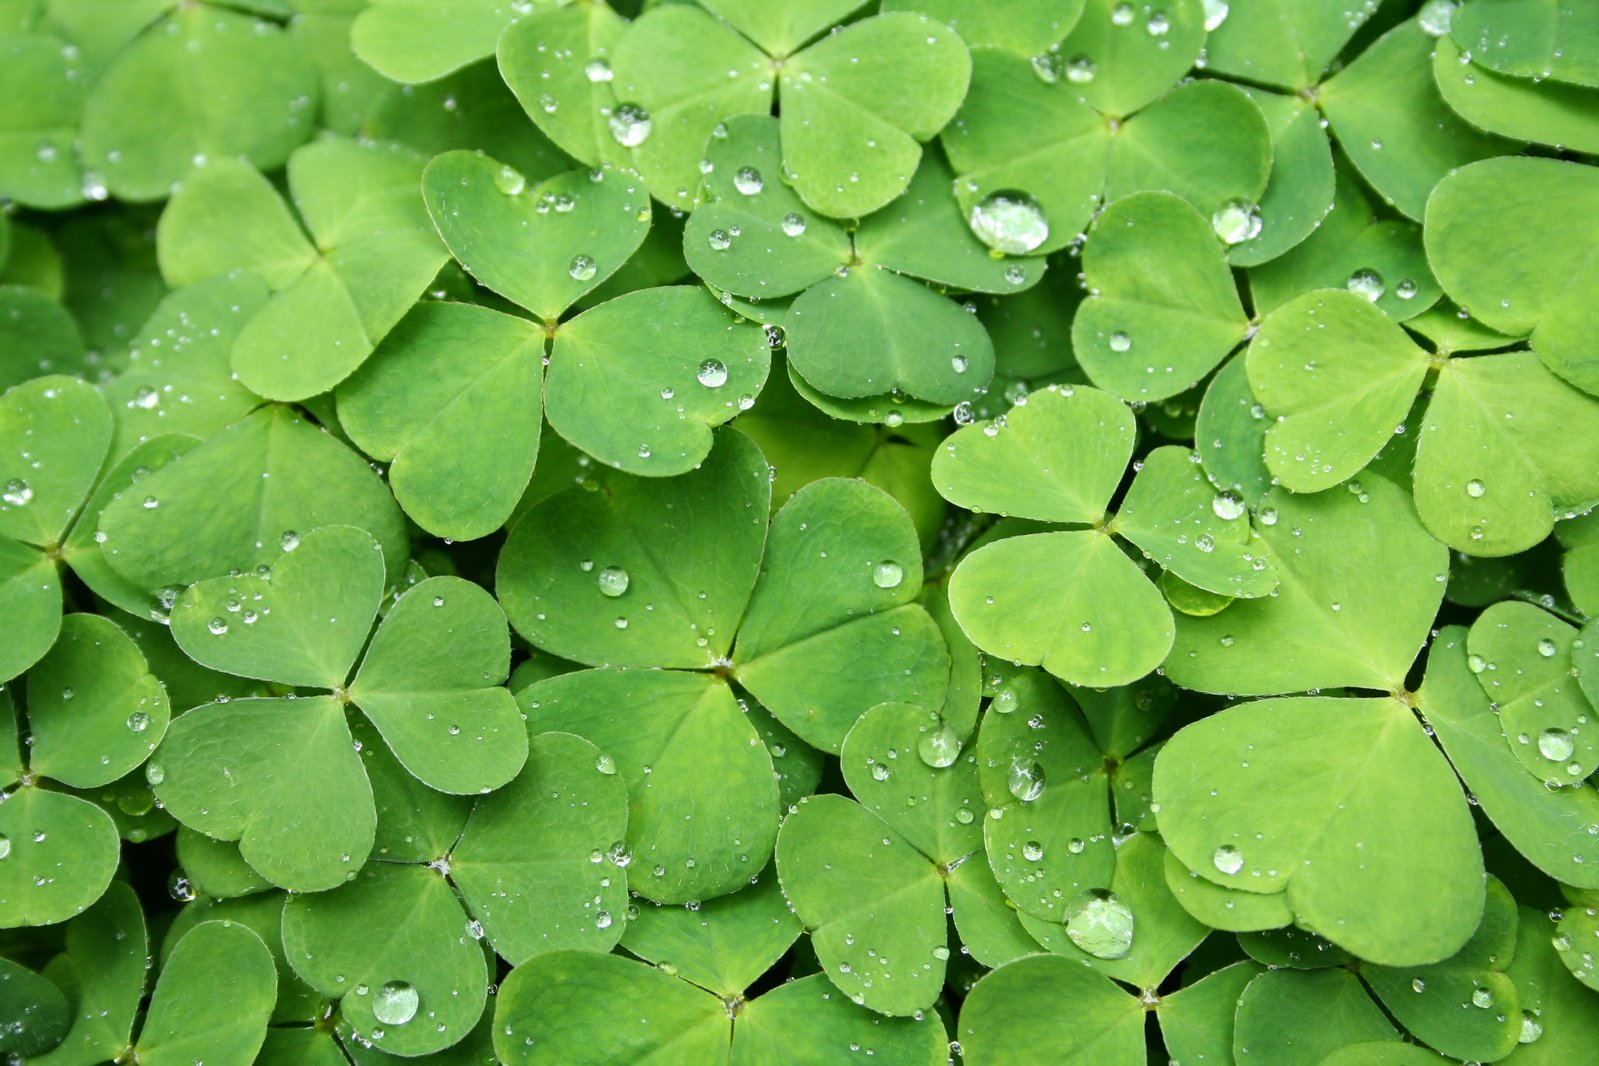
[60, 854]
[1300, 191]
[1048, 830]
[987, 923]
[1098, 621]
[44, 89]
[1026, 27]
[1559, 1008]
[1226, 908]
[237, 86]
[392, 947]
[30, 600]
[723, 946]
[855, 104]
[412, 409]
[304, 623]
[106, 957]
[1230, 434]
[524, 863]
[870, 332]
[558, 56]
[212, 1000]
[95, 709]
[1556, 39]
[565, 1002]
[1388, 116]
[1196, 1021]
[1284, 43]
[231, 503]
[38, 335]
[1295, 1018]
[1058, 458]
[228, 217]
[1427, 1000]
[832, 628]
[1163, 308]
[1131, 58]
[1506, 449]
[678, 72]
[214, 867]
[262, 913]
[806, 1023]
[37, 1008]
[685, 844]
[179, 379]
[1357, 598]
[432, 685]
[419, 40]
[1049, 1002]
[65, 420]
[1337, 375]
[1538, 110]
[640, 381]
[873, 904]
[1484, 265]
[278, 775]
[1341, 764]
[783, 30]
[1525, 655]
[642, 551]
[936, 809]
[583, 227]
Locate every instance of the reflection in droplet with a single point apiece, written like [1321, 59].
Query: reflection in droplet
[396, 1003]
[1100, 924]
[1010, 221]
[630, 125]
[1228, 859]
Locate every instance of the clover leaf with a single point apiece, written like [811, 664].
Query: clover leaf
[305, 624]
[878, 88]
[558, 1002]
[370, 255]
[1110, 625]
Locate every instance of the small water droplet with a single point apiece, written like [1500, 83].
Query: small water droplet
[1436, 16]
[217, 626]
[1236, 221]
[1548, 648]
[597, 70]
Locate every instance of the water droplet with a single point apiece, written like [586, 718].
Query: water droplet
[395, 1003]
[1026, 780]
[881, 772]
[1366, 283]
[1556, 745]
[1475, 489]
[1228, 859]
[1476, 663]
[1481, 997]
[1100, 924]
[1531, 1028]
[712, 374]
[719, 240]
[138, 721]
[748, 181]
[217, 626]
[941, 747]
[597, 70]
[1406, 289]
[605, 765]
[793, 224]
[17, 493]
[613, 581]
[602, 919]
[1081, 69]
[1120, 342]
[964, 815]
[1076, 846]
[1228, 506]
[1215, 14]
[1122, 15]
[5, 845]
[1033, 851]
[630, 125]
[1158, 25]
[154, 774]
[1436, 16]
[509, 181]
[1418, 986]
[180, 888]
[1547, 648]
[887, 574]
[582, 268]
[1010, 221]
[1236, 221]
[289, 541]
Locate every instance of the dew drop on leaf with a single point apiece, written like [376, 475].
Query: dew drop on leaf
[1547, 648]
[1122, 15]
[748, 181]
[1033, 851]
[887, 574]
[605, 765]
[395, 1003]
[613, 581]
[1009, 221]
[1025, 780]
[1531, 1028]
[941, 747]
[1215, 14]
[1120, 342]
[17, 493]
[630, 125]
[217, 626]
[1236, 221]
[712, 374]
[510, 181]
[1436, 16]
[793, 224]
[138, 721]
[1475, 489]
[5, 845]
[1081, 69]
[1228, 506]
[1367, 283]
[1556, 745]
[597, 71]
[1228, 859]
[582, 268]
[1100, 924]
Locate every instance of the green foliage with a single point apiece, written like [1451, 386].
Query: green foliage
[1009, 532]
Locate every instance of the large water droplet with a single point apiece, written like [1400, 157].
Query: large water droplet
[630, 125]
[597, 71]
[1475, 489]
[1033, 851]
[510, 181]
[712, 374]
[217, 626]
[1531, 1028]
[395, 1003]
[1025, 780]
[1228, 506]
[1367, 283]
[793, 224]
[1228, 859]
[1548, 648]
[1010, 221]
[582, 268]
[613, 581]
[1236, 221]
[1215, 14]
[887, 574]
[1081, 69]
[1100, 924]
[1436, 16]
[748, 181]
[138, 721]
[1120, 342]
[941, 747]
[5, 845]
[17, 493]
[1556, 745]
